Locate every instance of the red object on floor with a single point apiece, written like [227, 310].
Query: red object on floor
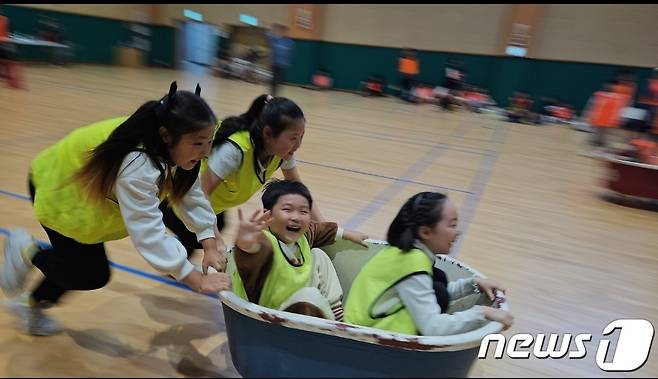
[631, 179]
[372, 86]
[321, 81]
[13, 73]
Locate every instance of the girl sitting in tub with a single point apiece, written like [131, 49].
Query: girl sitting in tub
[400, 290]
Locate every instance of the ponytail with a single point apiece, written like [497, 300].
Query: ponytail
[100, 172]
[234, 124]
[180, 112]
[422, 209]
[277, 113]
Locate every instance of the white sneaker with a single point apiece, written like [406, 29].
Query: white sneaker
[40, 324]
[35, 321]
[15, 268]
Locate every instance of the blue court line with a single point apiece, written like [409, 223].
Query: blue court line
[131, 270]
[412, 171]
[463, 130]
[385, 177]
[478, 184]
[16, 195]
[499, 135]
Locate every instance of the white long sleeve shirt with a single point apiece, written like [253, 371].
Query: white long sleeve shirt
[417, 294]
[136, 190]
[227, 158]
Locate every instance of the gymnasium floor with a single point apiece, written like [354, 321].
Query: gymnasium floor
[531, 218]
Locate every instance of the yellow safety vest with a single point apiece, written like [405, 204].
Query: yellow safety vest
[238, 187]
[284, 279]
[62, 204]
[383, 271]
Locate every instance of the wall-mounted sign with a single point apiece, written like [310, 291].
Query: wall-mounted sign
[304, 19]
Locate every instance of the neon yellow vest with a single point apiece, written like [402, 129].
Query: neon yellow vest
[380, 273]
[284, 279]
[238, 188]
[60, 203]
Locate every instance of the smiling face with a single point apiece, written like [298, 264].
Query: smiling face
[285, 144]
[291, 216]
[441, 236]
[191, 148]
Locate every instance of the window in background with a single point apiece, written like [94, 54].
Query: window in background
[193, 15]
[249, 20]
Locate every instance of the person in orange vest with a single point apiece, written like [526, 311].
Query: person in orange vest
[650, 102]
[5, 46]
[604, 112]
[9, 67]
[626, 87]
[409, 68]
[4, 28]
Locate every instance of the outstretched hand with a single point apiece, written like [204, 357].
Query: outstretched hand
[250, 229]
[489, 287]
[215, 259]
[356, 237]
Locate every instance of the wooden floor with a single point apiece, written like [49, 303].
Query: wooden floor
[572, 263]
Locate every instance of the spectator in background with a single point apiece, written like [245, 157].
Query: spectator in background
[649, 102]
[9, 67]
[653, 100]
[4, 26]
[603, 112]
[453, 80]
[409, 68]
[6, 48]
[519, 110]
[454, 76]
[626, 87]
[473, 99]
[222, 66]
[52, 31]
[281, 47]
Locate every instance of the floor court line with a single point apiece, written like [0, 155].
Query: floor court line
[415, 169]
[385, 177]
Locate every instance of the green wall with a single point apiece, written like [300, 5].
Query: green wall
[349, 64]
[93, 38]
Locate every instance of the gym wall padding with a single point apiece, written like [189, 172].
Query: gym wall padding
[571, 82]
[93, 38]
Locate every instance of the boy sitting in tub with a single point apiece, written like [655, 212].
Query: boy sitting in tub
[276, 262]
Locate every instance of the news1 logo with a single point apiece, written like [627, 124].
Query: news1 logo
[631, 353]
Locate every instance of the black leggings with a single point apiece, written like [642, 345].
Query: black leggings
[187, 238]
[68, 265]
[278, 72]
[71, 265]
